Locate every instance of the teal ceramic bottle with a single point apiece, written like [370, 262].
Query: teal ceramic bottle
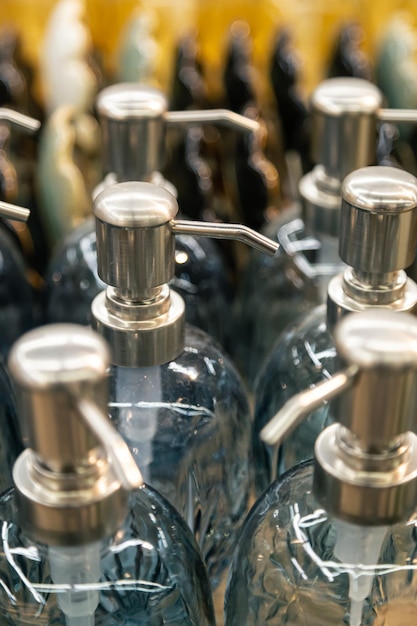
[333, 540]
[377, 242]
[84, 541]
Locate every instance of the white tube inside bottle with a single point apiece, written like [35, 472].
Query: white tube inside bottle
[78, 565]
[138, 399]
[358, 545]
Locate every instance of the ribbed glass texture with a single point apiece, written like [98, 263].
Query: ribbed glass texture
[285, 569]
[188, 424]
[276, 290]
[151, 573]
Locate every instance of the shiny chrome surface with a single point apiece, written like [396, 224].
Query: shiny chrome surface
[115, 446]
[133, 130]
[23, 122]
[378, 239]
[134, 120]
[13, 212]
[238, 232]
[379, 219]
[366, 467]
[135, 205]
[135, 244]
[344, 117]
[346, 295]
[398, 115]
[220, 117]
[364, 496]
[140, 341]
[138, 315]
[320, 198]
[71, 484]
[64, 512]
[382, 404]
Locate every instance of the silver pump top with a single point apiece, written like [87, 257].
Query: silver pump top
[344, 117]
[343, 124]
[73, 478]
[134, 119]
[343, 138]
[138, 314]
[366, 463]
[378, 239]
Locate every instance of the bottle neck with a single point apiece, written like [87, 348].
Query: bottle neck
[144, 328]
[68, 508]
[368, 487]
[355, 291]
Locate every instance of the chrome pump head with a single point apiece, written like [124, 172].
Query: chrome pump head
[345, 113]
[72, 480]
[366, 463]
[138, 314]
[378, 239]
[134, 119]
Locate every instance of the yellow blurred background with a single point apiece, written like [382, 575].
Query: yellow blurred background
[314, 24]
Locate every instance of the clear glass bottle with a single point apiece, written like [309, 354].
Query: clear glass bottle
[175, 397]
[343, 117]
[133, 115]
[84, 541]
[377, 241]
[333, 541]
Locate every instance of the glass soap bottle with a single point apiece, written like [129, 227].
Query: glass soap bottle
[174, 396]
[344, 115]
[84, 541]
[333, 541]
[134, 121]
[276, 290]
[378, 236]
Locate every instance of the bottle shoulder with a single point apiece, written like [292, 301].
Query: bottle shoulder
[288, 562]
[152, 562]
[299, 355]
[201, 373]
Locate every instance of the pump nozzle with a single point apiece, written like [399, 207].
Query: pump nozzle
[23, 122]
[13, 212]
[117, 450]
[286, 420]
[134, 121]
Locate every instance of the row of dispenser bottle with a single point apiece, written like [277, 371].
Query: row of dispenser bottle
[73, 551]
[338, 532]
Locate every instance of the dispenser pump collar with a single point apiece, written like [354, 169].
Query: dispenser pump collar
[72, 481]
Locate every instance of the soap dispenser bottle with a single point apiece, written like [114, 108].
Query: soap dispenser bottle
[174, 396]
[344, 114]
[134, 121]
[83, 540]
[333, 540]
[378, 237]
